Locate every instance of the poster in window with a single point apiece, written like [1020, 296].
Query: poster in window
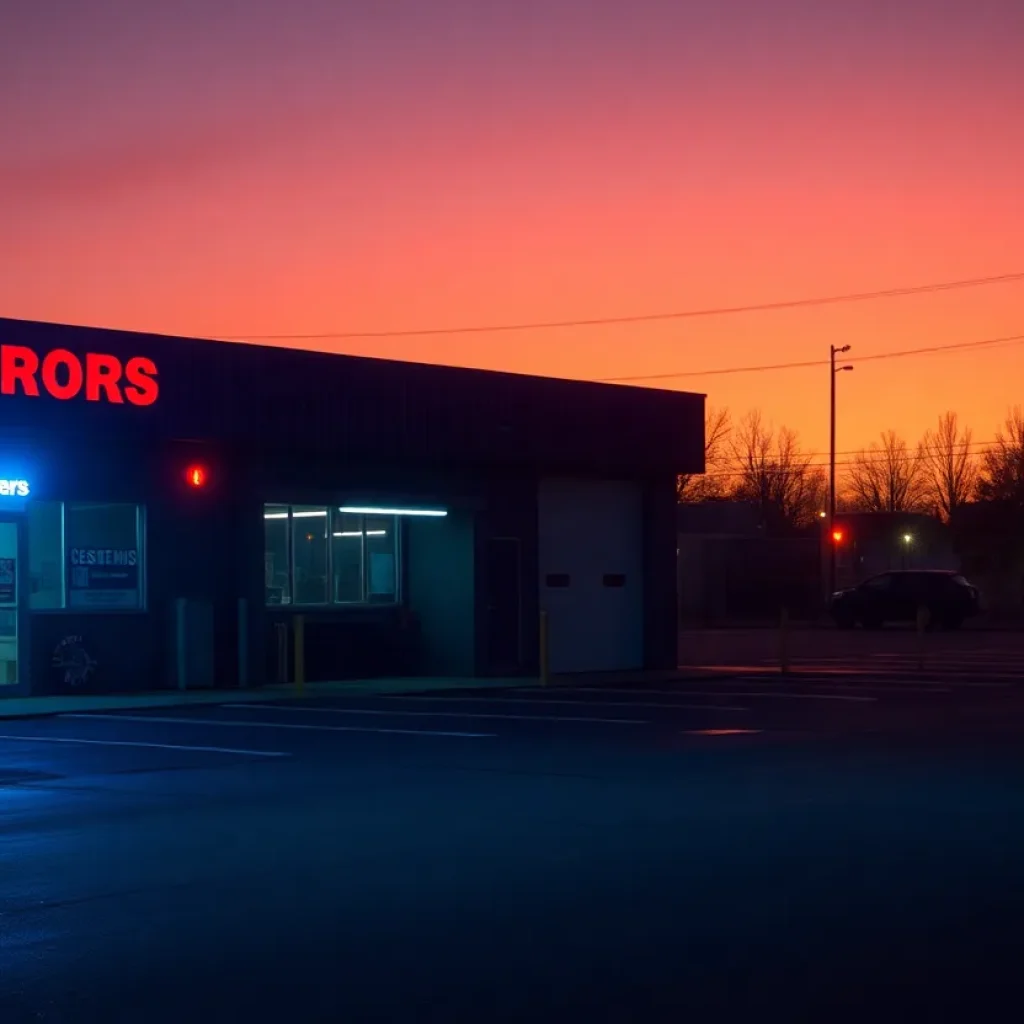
[8, 580]
[382, 574]
[103, 578]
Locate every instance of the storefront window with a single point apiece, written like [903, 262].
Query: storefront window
[347, 557]
[381, 568]
[85, 555]
[332, 558]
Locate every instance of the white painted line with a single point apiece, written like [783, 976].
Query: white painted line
[540, 701]
[398, 713]
[734, 693]
[230, 723]
[151, 746]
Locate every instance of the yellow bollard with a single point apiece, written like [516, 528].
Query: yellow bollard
[300, 652]
[784, 641]
[923, 618]
[543, 635]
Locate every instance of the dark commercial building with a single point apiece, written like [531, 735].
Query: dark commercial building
[170, 507]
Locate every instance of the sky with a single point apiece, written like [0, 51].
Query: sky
[281, 167]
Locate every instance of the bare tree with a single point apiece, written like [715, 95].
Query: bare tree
[950, 471]
[706, 486]
[1002, 465]
[772, 472]
[887, 477]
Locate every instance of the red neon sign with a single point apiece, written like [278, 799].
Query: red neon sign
[63, 375]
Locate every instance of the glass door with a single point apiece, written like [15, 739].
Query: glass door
[11, 669]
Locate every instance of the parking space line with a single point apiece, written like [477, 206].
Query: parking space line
[231, 723]
[151, 746]
[398, 713]
[733, 693]
[538, 700]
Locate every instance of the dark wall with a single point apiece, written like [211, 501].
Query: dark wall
[439, 561]
[370, 409]
[509, 511]
[660, 591]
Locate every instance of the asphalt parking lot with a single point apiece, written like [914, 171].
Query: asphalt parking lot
[815, 849]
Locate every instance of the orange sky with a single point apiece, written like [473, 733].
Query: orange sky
[569, 161]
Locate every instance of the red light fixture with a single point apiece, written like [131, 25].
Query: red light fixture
[195, 476]
[837, 536]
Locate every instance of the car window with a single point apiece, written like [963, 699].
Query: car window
[878, 583]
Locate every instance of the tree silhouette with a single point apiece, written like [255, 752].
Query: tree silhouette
[772, 472]
[1002, 465]
[950, 471]
[887, 477]
[712, 484]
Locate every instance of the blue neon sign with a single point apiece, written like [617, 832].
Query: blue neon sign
[14, 489]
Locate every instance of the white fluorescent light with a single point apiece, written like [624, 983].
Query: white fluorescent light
[316, 513]
[362, 510]
[359, 533]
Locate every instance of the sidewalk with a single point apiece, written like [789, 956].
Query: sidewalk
[28, 707]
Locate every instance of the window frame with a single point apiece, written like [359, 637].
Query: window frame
[141, 541]
[330, 604]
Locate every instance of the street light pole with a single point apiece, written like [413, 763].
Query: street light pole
[834, 351]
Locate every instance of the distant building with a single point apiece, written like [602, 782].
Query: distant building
[874, 542]
[989, 538]
[730, 570]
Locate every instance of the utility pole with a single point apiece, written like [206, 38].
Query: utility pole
[832, 462]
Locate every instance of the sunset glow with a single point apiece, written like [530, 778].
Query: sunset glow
[322, 167]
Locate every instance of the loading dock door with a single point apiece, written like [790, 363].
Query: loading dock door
[591, 573]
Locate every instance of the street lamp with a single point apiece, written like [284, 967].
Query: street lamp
[834, 351]
[908, 539]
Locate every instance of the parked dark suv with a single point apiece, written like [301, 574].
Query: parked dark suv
[896, 597]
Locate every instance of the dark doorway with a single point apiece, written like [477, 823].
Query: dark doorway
[504, 607]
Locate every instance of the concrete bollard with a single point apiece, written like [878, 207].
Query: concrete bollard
[300, 652]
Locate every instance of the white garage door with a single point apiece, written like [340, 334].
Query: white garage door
[591, 573]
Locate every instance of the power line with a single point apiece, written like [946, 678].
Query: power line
[799, 464]
[1012, 339]
[970, 448]
[607, 321]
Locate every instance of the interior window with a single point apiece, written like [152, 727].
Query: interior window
[309, 554]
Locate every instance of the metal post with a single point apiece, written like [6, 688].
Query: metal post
[833, 370]
[281, 629]
[181, 642]
[832, 473]
[300, 652]
[784, 641]
[543, 634]
[243, 643]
